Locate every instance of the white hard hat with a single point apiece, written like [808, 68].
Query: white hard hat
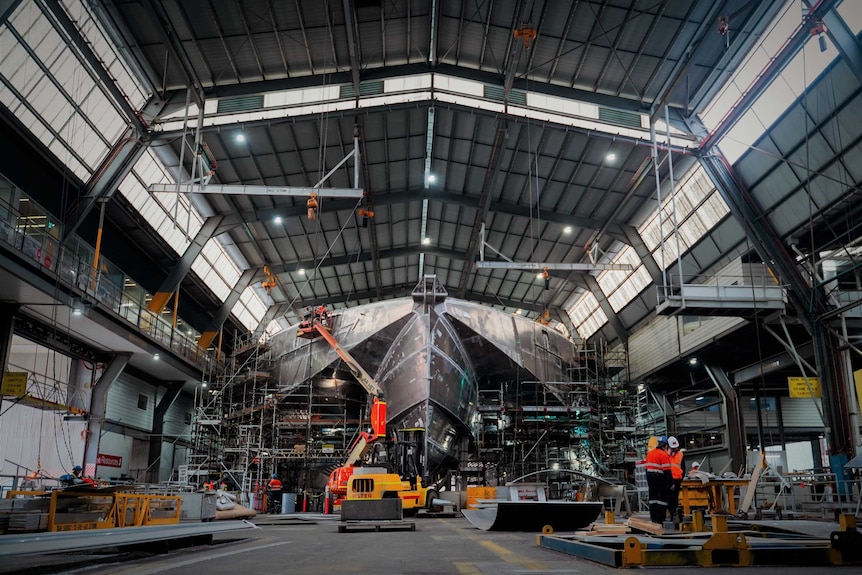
[673, 442]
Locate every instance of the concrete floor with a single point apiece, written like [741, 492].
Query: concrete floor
[313, 546]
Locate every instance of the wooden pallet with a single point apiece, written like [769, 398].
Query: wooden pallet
[352, 526]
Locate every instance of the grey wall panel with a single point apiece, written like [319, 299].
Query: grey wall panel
[653, 346]
[801, 412]
[691, 340]
[123, 401]
[175, 418]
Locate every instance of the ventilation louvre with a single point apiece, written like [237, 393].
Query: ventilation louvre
[620, 118]
[496, 93]
[369, 88]
[240, 104]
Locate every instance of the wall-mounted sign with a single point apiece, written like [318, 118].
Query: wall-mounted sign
[14, 383]
[328, 448]
[798, 387]
[109, 460]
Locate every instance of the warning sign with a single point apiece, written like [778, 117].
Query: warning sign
[798, 387]
[14, 383]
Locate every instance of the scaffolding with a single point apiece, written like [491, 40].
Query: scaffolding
[586, 423]
[247, 427]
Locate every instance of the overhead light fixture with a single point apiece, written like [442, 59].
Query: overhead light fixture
[240, 137]
[204, 385]
[611, 157]
[155, 357]
[277, 219]
[426, 241]
[432, 178]
[77, 311]
[301, 271]
[701, 398]
[692, 361]
[567, 230]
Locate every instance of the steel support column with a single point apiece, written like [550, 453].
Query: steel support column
[98, 403]
[223, 312]
[182, 267]
[810, 303]
[7, 328]
[732, 416]
[156, 440]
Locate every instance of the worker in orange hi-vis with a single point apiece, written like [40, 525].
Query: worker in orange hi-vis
[677, 471]
[274, 491]
[658, 480]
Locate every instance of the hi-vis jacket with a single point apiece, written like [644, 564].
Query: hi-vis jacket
[657, 461]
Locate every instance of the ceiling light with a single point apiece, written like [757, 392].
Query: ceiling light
[432, 178]
[240, 138]
[77, 311]
[155, 357]
[699, 398]
[567, 230]
[277, 219]
[692, 361]
[426, 241]
[301, 271]
[204, 385]
[611, 157]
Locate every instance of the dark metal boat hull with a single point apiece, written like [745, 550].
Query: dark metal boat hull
[534, 515]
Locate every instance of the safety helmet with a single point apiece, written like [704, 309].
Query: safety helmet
[662, 440]
[275, 475]
[673, 442]
[77, 468]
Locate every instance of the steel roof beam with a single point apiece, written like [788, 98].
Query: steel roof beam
[352, 48]
[384, 73]
[223, 312]
[106, 179]
[348, 259]
[179, 270]
[616, 324]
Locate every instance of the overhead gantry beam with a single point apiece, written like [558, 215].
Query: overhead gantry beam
[539, 266]
[405, 290]
[241, 190]
[845, 40]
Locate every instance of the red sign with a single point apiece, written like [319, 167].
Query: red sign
[109, 460]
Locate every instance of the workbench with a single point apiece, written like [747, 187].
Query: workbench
[711, 495]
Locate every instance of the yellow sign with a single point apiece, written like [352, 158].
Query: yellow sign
[14, 383]
[798, 387]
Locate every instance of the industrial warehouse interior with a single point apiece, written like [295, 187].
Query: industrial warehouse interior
[508, 286]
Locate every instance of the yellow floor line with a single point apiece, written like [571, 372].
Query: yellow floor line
[511, 557]
[467, 568]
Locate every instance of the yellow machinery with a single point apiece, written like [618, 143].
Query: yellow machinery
[370, 483]
[81, 510]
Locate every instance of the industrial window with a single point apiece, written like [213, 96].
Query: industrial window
[142, 402]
